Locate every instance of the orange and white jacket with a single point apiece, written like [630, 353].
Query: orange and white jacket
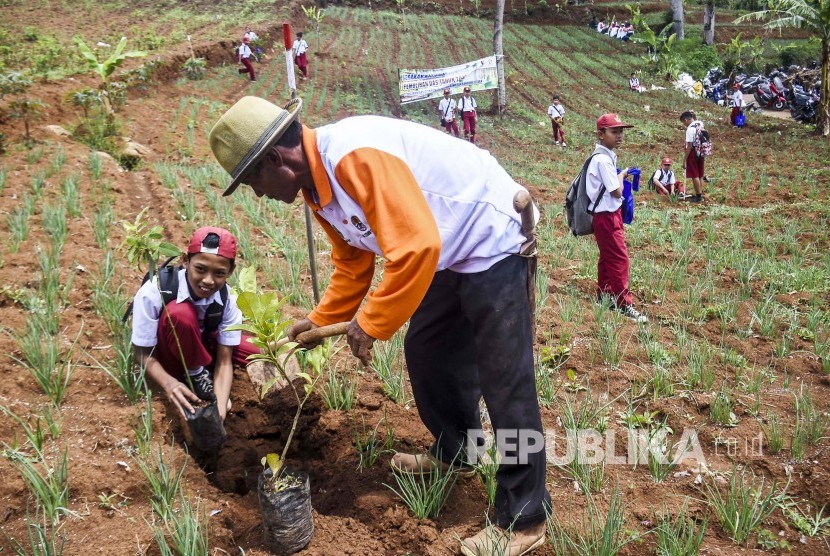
[421, 199]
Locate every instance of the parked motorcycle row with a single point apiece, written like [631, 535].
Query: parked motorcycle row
[796, 88]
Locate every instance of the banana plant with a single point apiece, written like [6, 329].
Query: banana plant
[105, 68]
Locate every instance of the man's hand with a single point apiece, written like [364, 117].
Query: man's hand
[181, 396]
[359, 342]
[303, 325]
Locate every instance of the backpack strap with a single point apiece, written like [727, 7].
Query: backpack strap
[168, 283]
[595, 202]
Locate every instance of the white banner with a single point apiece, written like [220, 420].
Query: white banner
[418, 85]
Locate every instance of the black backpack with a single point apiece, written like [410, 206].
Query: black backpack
[168, 280]
[579, 207]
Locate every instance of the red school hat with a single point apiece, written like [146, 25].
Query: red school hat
[667, 160]
[607, 121]
[227, 242]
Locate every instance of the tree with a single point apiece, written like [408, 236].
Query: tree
[498, 50]
[677, 17]
[812, 16]
[709, 23]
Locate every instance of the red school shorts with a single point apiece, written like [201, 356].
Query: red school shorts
[694, 165]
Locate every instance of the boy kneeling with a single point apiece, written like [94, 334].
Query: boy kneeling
[184, 345]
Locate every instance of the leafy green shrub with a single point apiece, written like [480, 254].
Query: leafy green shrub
[800, 53]
[696, 58]
[194, 68]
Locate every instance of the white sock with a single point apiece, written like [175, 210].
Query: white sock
[194, 372]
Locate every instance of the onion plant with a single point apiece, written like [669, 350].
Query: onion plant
[424, 493]
[743, 505]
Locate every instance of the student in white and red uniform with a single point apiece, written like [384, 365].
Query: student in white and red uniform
[737, 102]
[440, 214]
[664, 181]
[467, 105]
[300, 48]
[170, 341]
[245, 58]
[447, 108]
[556, 112]
[605, 187]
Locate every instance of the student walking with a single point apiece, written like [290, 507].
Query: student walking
[467, 105]
[737, 103]
[557, 119]
[694, 164]
[447, 108]
[300, 48]
[605, 187]
[245, 58]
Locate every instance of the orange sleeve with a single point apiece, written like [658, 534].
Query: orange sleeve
[350, 280]
[406, 232]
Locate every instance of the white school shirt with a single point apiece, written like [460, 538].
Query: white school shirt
[244, 51]
[300, 47]
[615, 29]
[251, 35]
[447, 108]
[467, 104]
[148, 304]
[555, 111]
[603, 170]
[738, 99]
[665, 178]
[691, 131]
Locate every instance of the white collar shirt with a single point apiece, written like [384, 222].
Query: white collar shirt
[556, 111]
[251, 35]
[148, 305]
[447, 108]
[692, 130]
[467, 103]
[738, 98]
[300, 47]
[665, 177]
[245, 51]
[603, 171]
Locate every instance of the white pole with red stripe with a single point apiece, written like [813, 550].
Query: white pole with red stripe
[289, 58]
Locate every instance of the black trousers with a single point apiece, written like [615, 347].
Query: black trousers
[471, 337]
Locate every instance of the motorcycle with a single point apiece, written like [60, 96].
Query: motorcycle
[771, 95]
[749, 83]
[804, 106]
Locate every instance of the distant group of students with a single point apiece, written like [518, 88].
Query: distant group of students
[622, 31]
[466, 107]
[245, 53]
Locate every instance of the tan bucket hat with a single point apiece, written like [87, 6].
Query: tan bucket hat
[246, 131]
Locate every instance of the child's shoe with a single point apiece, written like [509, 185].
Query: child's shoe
[564, 144]
[631, 313]
[203, 385]
[556, 142]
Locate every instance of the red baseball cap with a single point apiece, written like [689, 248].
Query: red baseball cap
[446, 91]
[736, 85]
[227, 242]
[667, 160]
[466, 89]
[246, 39]
[607, 121]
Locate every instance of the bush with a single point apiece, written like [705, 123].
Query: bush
[696, 58]
[194, 68]
[801, 53]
